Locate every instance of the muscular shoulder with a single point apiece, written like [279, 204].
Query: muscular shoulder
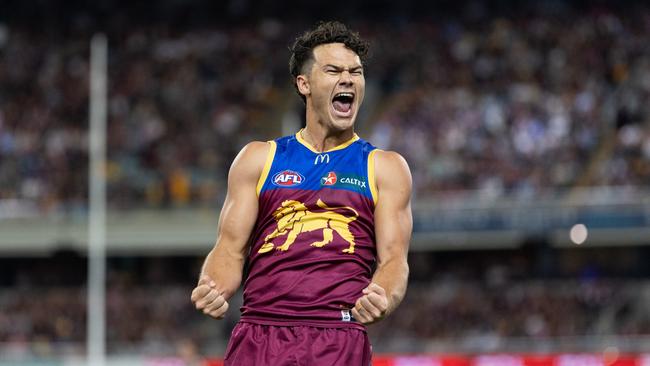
[255, 152]
[391, 170]
[250, 161]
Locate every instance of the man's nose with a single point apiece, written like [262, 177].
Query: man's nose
[346, 78]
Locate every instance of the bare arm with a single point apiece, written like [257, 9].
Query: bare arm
[222, 270]
[393, 226]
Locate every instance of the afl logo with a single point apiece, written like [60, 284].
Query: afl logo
[288, 178]
[330, 180]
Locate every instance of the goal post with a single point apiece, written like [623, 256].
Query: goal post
[96, 283]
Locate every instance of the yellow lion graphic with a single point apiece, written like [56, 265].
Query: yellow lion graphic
[293, 219]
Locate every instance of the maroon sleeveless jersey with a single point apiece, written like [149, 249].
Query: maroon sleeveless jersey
[313, 246]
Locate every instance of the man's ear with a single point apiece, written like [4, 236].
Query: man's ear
[303, 84]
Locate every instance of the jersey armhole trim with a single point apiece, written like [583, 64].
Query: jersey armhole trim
[371, 175]
[267, 167]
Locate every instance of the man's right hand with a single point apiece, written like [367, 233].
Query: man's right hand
[207, 298]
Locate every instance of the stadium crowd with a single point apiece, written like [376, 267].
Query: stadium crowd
[519, 105]
[498, 104]
[148, 312]
[180, 107]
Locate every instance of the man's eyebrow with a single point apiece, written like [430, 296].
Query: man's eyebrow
[336, 67]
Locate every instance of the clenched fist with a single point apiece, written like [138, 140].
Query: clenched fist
[372, 306]
[209, 299]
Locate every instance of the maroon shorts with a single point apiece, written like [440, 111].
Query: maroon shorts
[268, 345]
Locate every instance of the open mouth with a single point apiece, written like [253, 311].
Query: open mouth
[342, 103]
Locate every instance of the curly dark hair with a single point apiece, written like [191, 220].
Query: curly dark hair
[324, 33]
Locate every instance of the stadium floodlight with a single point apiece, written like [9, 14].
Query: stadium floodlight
[96, 318]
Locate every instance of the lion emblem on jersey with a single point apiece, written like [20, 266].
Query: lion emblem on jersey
[294, 218]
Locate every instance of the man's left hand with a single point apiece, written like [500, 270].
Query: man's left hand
[372, 306]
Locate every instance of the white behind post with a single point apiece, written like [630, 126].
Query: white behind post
[96, 321]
